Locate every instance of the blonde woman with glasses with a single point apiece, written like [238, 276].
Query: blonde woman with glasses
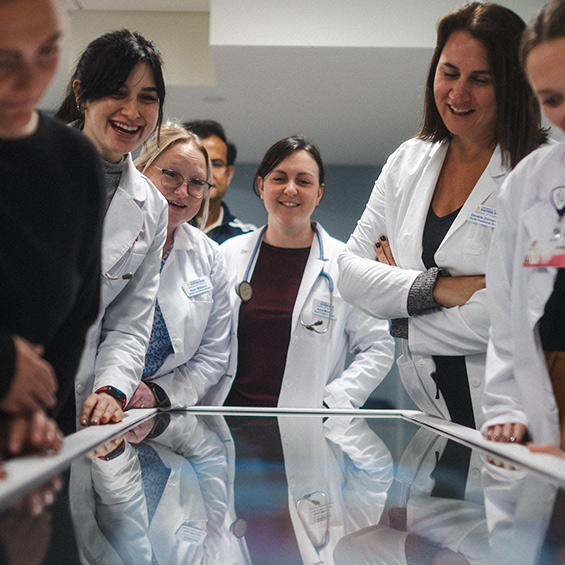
[189, 346]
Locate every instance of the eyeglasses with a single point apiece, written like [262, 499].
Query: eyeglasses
[171, 180]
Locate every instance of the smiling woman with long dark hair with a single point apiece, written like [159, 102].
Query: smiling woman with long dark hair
[418, 254]
[116, 97]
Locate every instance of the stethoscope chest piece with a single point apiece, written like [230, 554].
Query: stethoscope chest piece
[244, 291]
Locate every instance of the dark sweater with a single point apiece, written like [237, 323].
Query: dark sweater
[51, 214]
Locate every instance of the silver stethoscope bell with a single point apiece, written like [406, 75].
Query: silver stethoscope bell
[244, 291]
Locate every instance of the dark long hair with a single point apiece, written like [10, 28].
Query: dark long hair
[518, 122]
[105, 66]
[280, 151]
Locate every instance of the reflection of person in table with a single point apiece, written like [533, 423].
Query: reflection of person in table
[440, 516]
[525, 375]
[338, 473]
[429, 220]
[166, 493]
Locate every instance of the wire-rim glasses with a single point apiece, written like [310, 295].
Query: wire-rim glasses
[171, 180]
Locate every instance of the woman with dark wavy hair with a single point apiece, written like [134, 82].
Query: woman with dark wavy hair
[418, 254]
[116, 97]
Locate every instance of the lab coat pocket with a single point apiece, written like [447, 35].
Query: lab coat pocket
[415, 374]
[196, 314]
[125, 267]
[478, 240]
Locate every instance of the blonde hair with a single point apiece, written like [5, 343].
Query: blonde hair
[170, 134]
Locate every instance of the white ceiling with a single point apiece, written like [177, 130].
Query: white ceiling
[350, 77]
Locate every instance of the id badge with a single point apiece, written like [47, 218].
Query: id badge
[322, 308]
[484, 216]
[192, 532]
[197, 286]
[546, 253]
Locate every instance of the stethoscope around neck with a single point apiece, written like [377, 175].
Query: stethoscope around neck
[245, 291]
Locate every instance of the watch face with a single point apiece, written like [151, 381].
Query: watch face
[160, 395]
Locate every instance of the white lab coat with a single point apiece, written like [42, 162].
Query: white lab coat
[132, 242]
[449, 523]
[199, 325]
[314, 371]
[192, 519]
[518, 506]
[518, 388]
[344, 463]
[398, 207]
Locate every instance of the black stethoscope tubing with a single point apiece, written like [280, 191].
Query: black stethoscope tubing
[245, 291]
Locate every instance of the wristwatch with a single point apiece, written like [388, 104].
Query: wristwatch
[117, 394]
[161, 398]
[160, 424]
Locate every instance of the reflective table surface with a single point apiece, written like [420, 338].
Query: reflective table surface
[264, 488]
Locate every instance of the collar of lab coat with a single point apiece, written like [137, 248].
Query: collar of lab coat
[124, 219]
[426, 176]
[311, 272]
[488, 182]
[545, 173]
[185, 236]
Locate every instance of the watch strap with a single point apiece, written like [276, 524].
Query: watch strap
[114, 392]
[161, 397]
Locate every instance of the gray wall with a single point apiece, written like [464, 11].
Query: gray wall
[347, 192]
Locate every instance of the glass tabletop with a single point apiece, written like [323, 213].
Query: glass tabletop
[200, 488]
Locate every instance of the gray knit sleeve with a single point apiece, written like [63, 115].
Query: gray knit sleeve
[399, 328]
[420, 298]
[420, 295]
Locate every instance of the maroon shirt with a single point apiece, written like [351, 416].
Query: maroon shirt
[265, 326]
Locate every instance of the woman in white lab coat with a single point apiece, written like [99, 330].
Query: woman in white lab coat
[418, 254]
[190, 340]
[116, 98]
[525, 376]
[288, 350]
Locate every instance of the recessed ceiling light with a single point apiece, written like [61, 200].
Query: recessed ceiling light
[214, 99]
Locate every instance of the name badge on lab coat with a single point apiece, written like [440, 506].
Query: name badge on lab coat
[322, 308]
[192, 532]
[484, 216]
[546, 253]
[197, 286]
